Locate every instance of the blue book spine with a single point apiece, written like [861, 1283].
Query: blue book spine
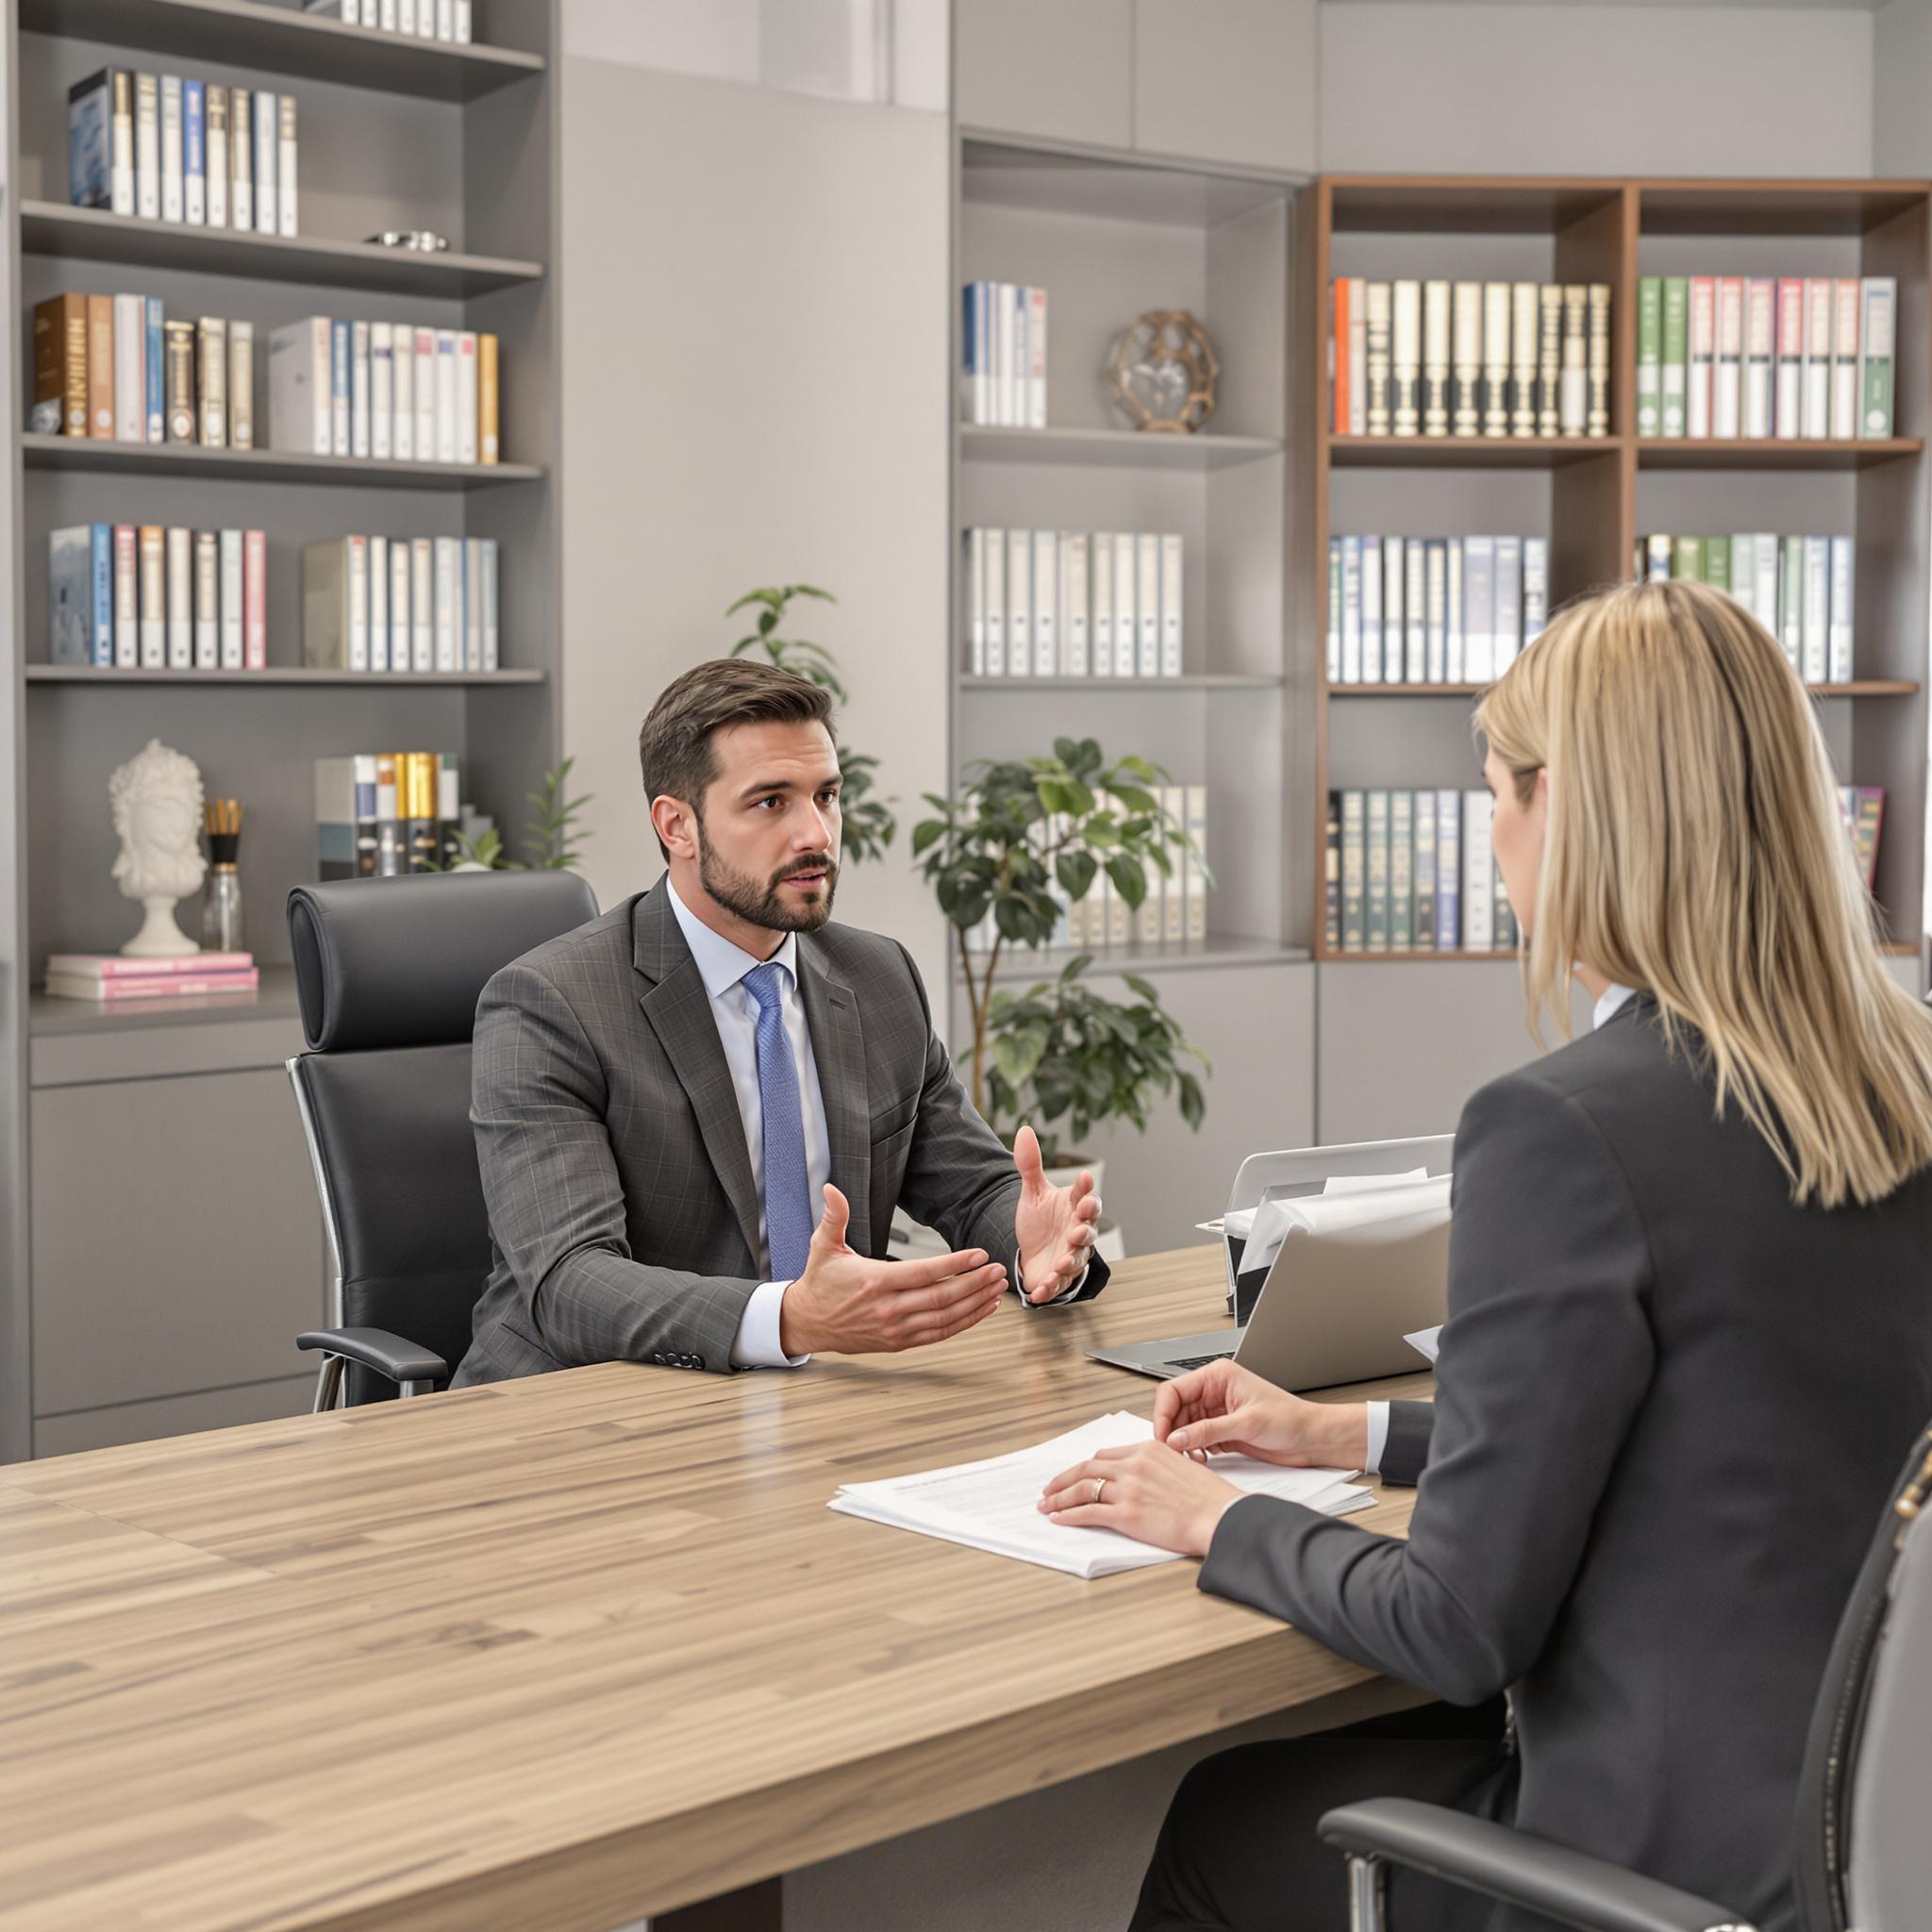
[194, 149]
[157, 374]
[90, 142]
[1448, 871]
[342, 361]
[101, 623]
[969, 323]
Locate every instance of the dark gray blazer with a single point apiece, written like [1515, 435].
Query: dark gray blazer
[623, 1214]
[1668, 1408]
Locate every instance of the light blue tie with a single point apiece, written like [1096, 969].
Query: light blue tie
[788, 1191]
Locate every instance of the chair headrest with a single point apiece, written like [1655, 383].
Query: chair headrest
[403, 962]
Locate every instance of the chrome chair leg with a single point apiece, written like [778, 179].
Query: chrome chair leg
[1367, 1894]
[328, 1384]
[408, 1388]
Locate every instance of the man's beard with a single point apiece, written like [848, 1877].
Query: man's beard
[761, 904]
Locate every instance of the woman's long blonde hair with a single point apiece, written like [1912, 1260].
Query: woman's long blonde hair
[1695, 849]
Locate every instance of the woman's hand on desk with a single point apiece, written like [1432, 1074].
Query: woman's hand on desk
[1145, 1492]
[1225, 1406]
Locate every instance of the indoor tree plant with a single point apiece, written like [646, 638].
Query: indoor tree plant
[1022, 832]
[869, 822]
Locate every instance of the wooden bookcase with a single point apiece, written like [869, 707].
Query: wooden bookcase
[1591, 498]
[395, 134]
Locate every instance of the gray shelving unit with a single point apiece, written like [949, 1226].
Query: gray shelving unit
[152, 1183]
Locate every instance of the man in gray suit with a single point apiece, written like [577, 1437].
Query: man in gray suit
[696, 1115]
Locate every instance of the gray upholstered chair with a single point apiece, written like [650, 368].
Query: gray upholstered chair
[387, 971]
[1864, 1852]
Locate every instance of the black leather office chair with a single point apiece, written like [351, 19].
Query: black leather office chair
[389, 972]
[1864, 1855]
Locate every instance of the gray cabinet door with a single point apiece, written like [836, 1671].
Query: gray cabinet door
[1227, 80]
[176, 1240]
[1058, 68]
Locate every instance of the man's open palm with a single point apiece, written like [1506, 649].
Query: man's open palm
[1054, 1226]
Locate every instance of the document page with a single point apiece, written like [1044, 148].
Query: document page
[989, 1505]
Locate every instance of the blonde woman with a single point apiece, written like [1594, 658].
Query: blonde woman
[1690, 1326]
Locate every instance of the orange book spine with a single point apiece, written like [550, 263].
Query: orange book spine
[488, 445]
[100, 366]
[1338, 355]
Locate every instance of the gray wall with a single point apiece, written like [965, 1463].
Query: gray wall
[1604, 89]
[756, 391]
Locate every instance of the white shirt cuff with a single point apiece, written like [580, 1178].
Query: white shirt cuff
[1378, 1436]
[1066, 1294]
[757, 1344]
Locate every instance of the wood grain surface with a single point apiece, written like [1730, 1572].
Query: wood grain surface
[566, 1652]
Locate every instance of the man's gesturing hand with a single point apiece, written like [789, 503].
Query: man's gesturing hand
[847, 1304]
[1054, 1227]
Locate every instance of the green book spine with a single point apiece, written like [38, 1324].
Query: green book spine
[1425, 808]
[1376, 843]
[1331, 873]
[1876, 333]
[1790, 598]
[1401, 871]
[1717, 562]
[1354, 865]
[1674, 355]
[1650, 345]
[1687, 561]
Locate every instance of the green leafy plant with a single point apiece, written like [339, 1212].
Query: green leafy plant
[869, 822]
[1060, 1051]
[1022, 832]
[550, 839]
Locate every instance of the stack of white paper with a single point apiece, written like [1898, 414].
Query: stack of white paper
[991, 1504]
[1368, 1208]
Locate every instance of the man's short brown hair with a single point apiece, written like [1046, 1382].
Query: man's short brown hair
[674, 745]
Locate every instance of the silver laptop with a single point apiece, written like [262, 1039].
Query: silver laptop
[1306, 1324]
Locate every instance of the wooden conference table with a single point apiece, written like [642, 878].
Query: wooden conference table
[568, 1652]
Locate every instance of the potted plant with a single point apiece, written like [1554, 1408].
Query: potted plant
[869, 822]
[1023, 833]
[550, 839]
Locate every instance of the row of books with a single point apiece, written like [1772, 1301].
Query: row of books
[1413, 872]
[387, 391]
[1792, 358]
[1800, 589]
[113, 977]
[1004, 356]
[1172, 914]
[381, 814]
[168, 149]
[129, 597]
[1864, 807]
[400, 603]
[114, 368]
[1074, 604]
[1433, 609]
[423, 19]
[1468, 358]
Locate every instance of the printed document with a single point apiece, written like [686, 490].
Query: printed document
[990, 1504]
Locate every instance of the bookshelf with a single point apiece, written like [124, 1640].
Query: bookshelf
[395, 134]
[1591, 498]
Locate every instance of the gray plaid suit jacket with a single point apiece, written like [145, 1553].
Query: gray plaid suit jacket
[623, 1214]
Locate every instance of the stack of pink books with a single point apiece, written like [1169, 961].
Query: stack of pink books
[118, 976]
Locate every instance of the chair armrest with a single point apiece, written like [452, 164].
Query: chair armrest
[376, 1348]
[1572, 1888]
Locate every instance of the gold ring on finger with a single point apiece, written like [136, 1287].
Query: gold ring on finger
[1100, 1483]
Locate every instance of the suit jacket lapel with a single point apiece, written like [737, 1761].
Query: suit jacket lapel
[838, 1048]
[680, 1012]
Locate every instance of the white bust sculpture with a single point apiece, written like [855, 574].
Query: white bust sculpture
[157, 801]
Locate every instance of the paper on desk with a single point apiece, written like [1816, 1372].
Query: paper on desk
[1391, 1201]
[989, 1505]
[1425, 1340]
[1240, 1221]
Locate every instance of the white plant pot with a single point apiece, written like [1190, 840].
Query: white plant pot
[1109, 1242]
[1062, 1172]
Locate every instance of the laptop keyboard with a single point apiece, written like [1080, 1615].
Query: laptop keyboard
[1201, 1361]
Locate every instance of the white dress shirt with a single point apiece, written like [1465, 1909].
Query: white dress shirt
[723, 967]
[1613, 998]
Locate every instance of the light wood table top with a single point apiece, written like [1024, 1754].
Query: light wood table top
[566, 1652]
